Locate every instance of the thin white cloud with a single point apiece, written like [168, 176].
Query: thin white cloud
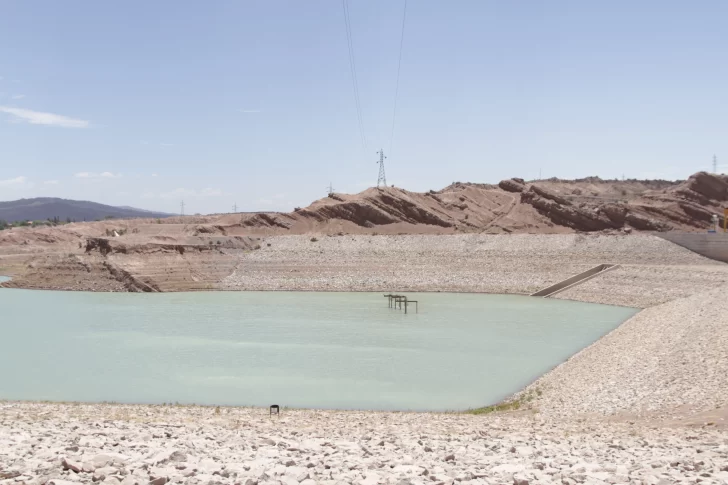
[41, 118]
[155, 175]
[249, 110]
[94, 175]
[20, 182]
[17, 96]
[11, 182]
[50, 182]
[166, 144]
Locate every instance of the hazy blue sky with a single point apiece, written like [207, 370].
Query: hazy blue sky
[146, 103]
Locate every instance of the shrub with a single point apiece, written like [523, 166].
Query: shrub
[313, 239]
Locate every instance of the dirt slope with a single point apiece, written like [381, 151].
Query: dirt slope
[197, 252]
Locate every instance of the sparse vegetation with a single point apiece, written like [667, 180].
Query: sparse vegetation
[513, 405]
[314, 239]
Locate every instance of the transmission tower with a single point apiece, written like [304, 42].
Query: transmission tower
[382, 180]
[715, 164]
[182, 208]
[235, 208]
[330, 188]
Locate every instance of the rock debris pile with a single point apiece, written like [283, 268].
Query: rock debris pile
[62, 444]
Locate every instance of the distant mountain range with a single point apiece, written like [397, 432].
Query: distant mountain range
[42, 208]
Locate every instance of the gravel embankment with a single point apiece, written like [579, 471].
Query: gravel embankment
[653, 271]
[670, 355]
[59, 444]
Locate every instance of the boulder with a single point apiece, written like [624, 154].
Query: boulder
[644, 223]
[100, 474]
[615, 212]
[709, 185]
[581, 219]
[549, 195]
[71, 465]
[512, 185]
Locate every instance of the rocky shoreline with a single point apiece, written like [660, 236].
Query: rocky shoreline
[651, 270]
[58, 444]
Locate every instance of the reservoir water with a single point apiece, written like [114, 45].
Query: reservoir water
[321, 350]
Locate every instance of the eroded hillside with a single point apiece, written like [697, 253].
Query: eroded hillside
[199, 252]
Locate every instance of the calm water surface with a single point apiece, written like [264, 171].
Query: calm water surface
[323, 350]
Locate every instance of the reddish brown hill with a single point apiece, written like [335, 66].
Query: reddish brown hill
[514, 205]
[198, 252]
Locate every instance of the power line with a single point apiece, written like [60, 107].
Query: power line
[399, 67]
[352, 68]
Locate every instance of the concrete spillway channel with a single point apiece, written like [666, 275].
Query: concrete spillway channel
[575, 280]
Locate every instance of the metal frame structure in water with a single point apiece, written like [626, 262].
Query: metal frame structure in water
[395, 300]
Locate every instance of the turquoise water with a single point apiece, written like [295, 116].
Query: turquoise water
[322, 350]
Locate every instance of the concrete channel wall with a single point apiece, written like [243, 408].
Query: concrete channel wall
[574, 280]
[710, 245]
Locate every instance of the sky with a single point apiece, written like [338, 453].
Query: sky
[251, 103]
